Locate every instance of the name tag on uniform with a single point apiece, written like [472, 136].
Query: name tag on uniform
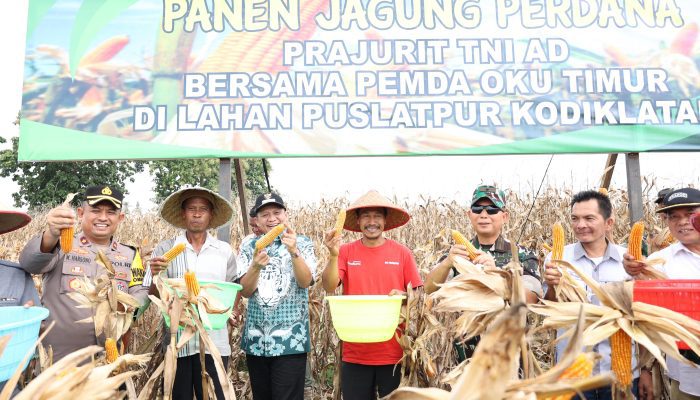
[76, 269]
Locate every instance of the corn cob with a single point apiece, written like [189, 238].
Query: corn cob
[557, 242]
[192, 283]
[621, 357]
[460, 239]
[174, 252]
[634, 245]
[67, 239]
[580, 369]
[111, 350]
[339, 223]
[269, 237]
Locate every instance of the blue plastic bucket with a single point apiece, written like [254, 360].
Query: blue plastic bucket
[225, 293]
[22, 324]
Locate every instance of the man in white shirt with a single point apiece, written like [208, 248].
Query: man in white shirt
[593, 254]
[682, 262]
[196, 210]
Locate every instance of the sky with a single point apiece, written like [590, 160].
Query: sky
[302, 180]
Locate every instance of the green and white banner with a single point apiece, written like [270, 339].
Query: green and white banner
[160, 79]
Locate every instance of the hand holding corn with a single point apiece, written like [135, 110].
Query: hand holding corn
[632, 266]
[332, 242]
[260, 260]
[59, 219]
[551, 274]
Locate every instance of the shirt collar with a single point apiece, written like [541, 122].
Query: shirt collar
[210, 241]
[84, 242]
[678, 247]
[501, 245]
[580, 252]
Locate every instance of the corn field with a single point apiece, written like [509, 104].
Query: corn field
[427, 234]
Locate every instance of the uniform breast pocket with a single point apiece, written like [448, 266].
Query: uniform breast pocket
[72, 274]
[123, 276]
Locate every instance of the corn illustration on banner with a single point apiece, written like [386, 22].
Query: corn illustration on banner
[163, 79]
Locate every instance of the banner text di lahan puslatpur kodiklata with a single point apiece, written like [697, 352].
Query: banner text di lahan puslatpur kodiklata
[450, 107]
[257, 15]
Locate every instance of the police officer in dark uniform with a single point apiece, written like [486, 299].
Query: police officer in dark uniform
[100, 215]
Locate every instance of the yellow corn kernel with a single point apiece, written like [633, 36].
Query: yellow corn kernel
[558, 240]
[339, 223]
[580, 369]
[460, 239]
[174, 252]
[634, 245]
[67, 239]
[111, 350]
[192, 283]
[269, 237]
[621, 357]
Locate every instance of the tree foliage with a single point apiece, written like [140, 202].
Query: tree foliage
[171, 175]
[48, 183]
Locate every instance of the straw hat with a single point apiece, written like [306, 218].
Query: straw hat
[171, 210]
[11, 219]
[395, 217]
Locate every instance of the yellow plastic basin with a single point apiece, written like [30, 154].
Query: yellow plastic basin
[365, 319]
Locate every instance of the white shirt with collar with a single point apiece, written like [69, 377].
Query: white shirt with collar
[681, 263]
[215, 261]
[608, 269]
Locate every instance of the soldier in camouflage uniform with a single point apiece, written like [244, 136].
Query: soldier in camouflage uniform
[487, 215]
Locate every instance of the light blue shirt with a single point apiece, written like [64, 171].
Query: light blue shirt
[609, 269]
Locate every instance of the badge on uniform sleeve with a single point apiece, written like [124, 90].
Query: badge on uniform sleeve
[74, 284]
[121, 285]
[121, 275]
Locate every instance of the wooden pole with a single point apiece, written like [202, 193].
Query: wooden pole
[634, 187]
[608, 171]
[240, 179]
[224, 232]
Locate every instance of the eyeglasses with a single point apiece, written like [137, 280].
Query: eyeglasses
[490, 210]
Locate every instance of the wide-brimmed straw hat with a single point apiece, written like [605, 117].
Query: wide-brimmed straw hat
[395, 216]
[171, 209]
[11, 219]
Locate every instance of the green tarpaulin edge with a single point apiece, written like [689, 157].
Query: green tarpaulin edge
[43, 142]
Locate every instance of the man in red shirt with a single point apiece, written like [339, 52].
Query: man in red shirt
[373, 265]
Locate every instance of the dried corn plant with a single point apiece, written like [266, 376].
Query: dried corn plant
[495, 361]
[654, 328]
[113, 309]
[187, 310]
[529, 224]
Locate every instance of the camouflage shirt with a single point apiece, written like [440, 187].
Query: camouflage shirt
[502, 256]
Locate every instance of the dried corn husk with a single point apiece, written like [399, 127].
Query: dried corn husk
[188, 312]
[113, 309]
[656, 329]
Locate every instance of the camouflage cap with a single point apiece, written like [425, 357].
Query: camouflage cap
[496, 195]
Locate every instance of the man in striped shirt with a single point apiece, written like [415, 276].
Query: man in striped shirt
[196, 210]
